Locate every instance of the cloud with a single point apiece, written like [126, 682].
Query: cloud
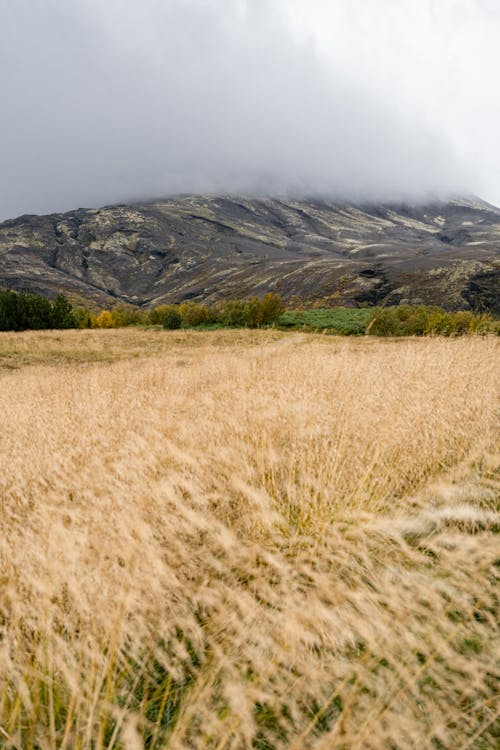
[129, 99]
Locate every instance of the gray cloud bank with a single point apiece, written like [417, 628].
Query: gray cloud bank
[106, 101]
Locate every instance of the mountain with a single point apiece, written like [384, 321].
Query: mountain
[209, 247]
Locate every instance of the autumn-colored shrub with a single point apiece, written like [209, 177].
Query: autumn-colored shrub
[256, 312]
[419, 320]
[84, 318]
[158, 315]
[195, 314]
[272, 307]
[252, 312]
[128, 316]
[104, 320]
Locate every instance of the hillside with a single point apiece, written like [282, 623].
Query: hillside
[205, 248]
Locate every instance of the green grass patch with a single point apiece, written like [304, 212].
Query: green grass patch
[346, 321]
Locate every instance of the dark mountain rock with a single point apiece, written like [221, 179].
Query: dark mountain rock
[207, 248]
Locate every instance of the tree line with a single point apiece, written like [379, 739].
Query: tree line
[252, 312]
[22, 311]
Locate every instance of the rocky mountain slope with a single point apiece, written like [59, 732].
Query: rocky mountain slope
[206, 248]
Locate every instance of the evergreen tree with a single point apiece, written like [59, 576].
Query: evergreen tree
[8, 312]
[28, 311]
[62, 314]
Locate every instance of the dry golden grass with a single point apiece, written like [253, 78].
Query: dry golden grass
[244, 540]
[77, 347]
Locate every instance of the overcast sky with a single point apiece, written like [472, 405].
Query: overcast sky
[114, 100]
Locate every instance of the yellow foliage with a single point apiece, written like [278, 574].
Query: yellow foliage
[105, 320]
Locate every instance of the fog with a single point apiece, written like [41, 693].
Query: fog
[124, 100]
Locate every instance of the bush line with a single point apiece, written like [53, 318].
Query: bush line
[28, 311]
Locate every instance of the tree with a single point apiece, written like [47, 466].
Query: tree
[272, 307]
[8, 312]
[62, 313]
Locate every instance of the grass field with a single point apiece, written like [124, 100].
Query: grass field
[240, 539]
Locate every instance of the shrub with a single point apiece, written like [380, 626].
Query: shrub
[233, 313]
[194, 314]
[272, 308]
[418, 320]
[484, 323]
[463, 322]
[171, 318]
[251, 312]
[153, 316]
[83, 318]
[158, 315]
[118, 317]
[104, 320]
[439, 322]
[127, 316]
[385, 322]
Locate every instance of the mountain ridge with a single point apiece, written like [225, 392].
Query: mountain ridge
[210, 247]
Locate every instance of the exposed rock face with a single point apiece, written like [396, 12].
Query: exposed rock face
[206, 248]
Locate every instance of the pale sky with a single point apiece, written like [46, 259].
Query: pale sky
[118, 100]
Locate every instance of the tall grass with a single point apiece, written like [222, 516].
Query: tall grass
[248, 541]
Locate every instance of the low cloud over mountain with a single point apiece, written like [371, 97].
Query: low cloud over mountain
[105, 102]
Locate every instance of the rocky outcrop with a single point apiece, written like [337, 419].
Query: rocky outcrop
[206, 248]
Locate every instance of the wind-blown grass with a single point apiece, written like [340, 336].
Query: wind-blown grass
[248, 540]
